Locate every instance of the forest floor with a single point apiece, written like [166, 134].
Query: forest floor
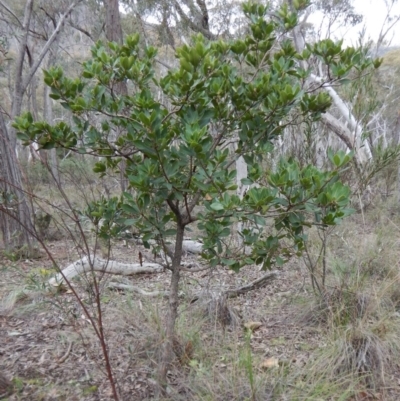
[299, 349]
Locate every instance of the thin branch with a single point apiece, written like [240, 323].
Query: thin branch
[80, 29]
[164, 64]
[254, 285]
[11, 12]
[191, 24]
[19, 89]
[47, 46]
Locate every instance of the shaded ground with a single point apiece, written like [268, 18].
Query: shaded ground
[50, 351]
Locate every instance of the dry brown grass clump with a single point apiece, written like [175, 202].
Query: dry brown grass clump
[362, 335]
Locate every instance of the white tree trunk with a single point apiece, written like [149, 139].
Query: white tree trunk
[351, 131]
[241, 173]
[354, 130]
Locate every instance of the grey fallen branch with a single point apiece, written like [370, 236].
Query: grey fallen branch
[66, 355]
[254, 285]
[232, 293]
[87, 265]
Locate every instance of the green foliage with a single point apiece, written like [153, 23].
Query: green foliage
[175, 152]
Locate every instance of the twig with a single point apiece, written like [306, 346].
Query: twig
[66, 355]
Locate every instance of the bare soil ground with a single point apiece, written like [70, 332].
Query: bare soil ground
[49, 349]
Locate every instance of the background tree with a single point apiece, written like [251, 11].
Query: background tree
[15, 214]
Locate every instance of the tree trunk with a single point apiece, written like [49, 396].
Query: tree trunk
[51, 161]
[19, 87]
[113, 21]
[15, 215]
[396, 141]
[241, 173]
[352, 136]
[114, 34]
[167, 352]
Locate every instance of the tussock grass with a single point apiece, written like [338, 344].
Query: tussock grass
[356, 313]
[359, 350]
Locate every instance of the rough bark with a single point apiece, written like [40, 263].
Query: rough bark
[233, 293]
[22, 82]
[18, 81]
[48, 116]
[217, 306]
[113, 21]
[114, 34]
[15, 215]
[16, 218]
[203, 25]
[113, 30]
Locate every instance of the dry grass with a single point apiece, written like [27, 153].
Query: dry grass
[362, 342]
[342, 345]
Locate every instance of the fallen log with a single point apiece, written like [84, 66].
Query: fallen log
[235, 292]
[89, 264]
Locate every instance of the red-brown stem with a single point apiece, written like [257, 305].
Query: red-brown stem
[99, 329]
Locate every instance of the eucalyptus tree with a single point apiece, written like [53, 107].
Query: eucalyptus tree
[15, 213]
[178, 20]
